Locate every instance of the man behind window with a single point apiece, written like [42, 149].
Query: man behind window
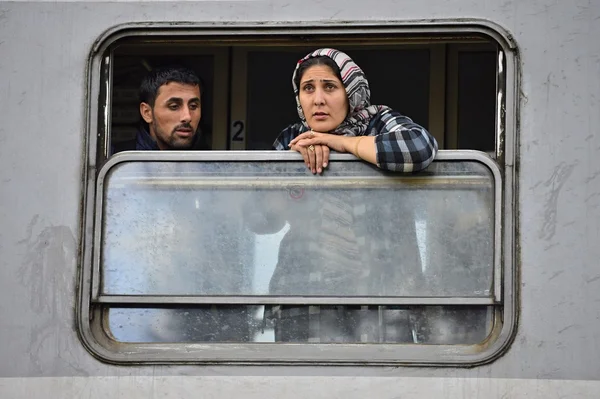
[176, 246]
[171, 110]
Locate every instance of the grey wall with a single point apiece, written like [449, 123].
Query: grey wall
[43, 53]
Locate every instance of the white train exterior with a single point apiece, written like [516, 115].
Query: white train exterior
[51, 60]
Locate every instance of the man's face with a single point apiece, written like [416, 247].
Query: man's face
[174, 119]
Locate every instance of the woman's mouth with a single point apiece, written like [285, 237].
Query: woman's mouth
[320, 116]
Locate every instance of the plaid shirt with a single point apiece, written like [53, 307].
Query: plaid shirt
[401, 144]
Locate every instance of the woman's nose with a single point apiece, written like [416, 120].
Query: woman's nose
[319, 97]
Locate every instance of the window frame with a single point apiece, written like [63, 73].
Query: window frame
[98, 341]
[452, 56]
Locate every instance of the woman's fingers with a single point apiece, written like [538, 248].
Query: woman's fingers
[303, 151]
[306, 135]
[298, 138]
[319, 158]
[325, 160]
[316, 156]
[312, 158]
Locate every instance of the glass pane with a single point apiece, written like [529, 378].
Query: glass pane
[308, 324]
[272, 228]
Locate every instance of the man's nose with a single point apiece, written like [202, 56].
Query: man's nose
[186, 114]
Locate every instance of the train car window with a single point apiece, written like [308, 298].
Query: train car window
[245, 257]
[447, 86]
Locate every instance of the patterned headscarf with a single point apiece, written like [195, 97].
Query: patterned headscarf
[357, 90]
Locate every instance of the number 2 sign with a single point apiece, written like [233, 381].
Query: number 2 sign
[238, 135]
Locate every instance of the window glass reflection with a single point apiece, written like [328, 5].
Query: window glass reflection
[308, 324]
[271, 229]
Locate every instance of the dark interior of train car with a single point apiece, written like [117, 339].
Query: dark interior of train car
[448, 86]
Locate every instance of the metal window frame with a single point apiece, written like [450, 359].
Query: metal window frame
[89, 319]
[451, 96]
[289, 300]
[284, 156]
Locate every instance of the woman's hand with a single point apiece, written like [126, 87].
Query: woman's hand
[333, 141]
[316, 157]
[314, 147]
[362, 147]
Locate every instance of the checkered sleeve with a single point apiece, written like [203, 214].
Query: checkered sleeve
[288, 134]
[401, 144]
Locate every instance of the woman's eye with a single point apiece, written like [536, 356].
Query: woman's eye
[308, 88]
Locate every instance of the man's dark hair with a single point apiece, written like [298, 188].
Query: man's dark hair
[319, 60]
[160, 76]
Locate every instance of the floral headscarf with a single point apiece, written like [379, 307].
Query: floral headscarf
[357, 90]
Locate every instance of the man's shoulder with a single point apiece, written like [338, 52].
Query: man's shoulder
[144, 142]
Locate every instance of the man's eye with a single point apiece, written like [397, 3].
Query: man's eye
[194, 106]
[173, 107]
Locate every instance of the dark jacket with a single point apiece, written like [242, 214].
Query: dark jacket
[145, 142]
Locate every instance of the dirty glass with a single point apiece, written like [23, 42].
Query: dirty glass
[273, 229]
[308, 324]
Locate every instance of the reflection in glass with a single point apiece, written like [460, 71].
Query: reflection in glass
[311, 324]
[217, 228]
[271, 229]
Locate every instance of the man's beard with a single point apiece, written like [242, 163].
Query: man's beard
[176, 143]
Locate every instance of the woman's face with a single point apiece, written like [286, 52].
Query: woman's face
[323, 98]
